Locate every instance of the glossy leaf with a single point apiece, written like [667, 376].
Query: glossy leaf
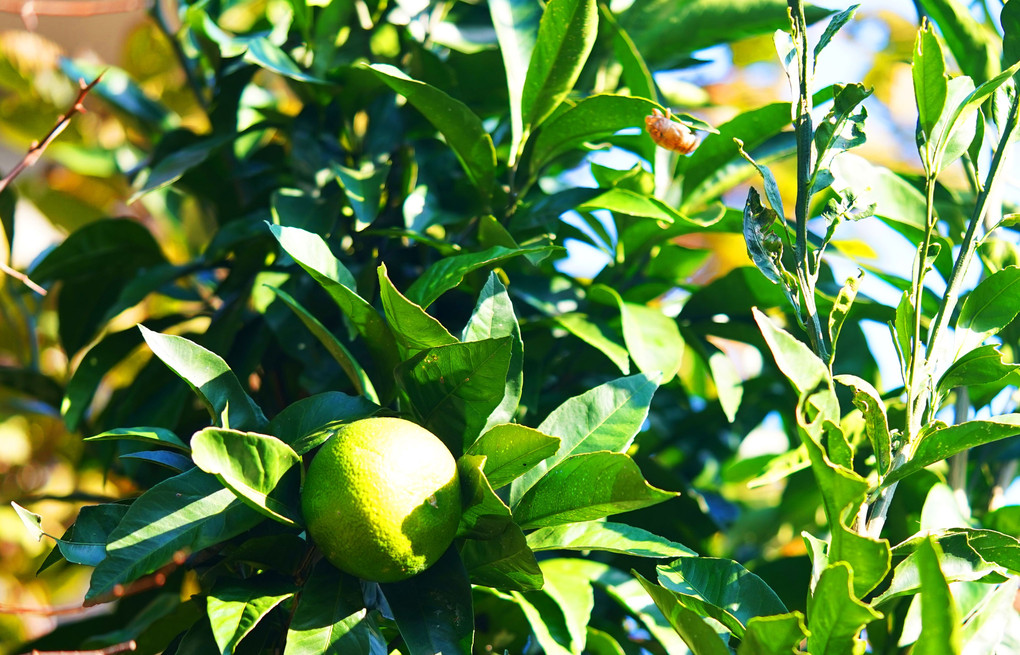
[265, 54]
[869, 402]
[835, 616]
[516, 23]
[494, 317]
[653, 339]
[606, 536]
[929, 75]
[596, 116]
[85, 541]
[494, 549]
[597, 335]
[566, 35]
[781, 634]
[208, 376]
[182, 514]
[331, 618]
[607, 417]
[447, 273]
[798, 363]
[565, 584]
[453, 389]
[433, 609]
[510, 450]
[363, 188]
[585, 487]
[305, 424]
[236, 607]
[836, 23]
[940, 619]
[939, 442]
[721, 589]
[413, 328]
[992, 305]
[700, 637]
[151, 436]
[983, 365]
[168, 459]
[251, 465]
[460, 126]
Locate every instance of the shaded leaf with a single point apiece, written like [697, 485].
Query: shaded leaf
[940, 619]
[152, 436]
[701, 638]
[236, 607]
[305, 424]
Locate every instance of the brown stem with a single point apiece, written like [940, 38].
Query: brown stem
[33, 155]
[125, 647]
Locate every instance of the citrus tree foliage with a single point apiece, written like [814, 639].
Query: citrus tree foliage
[354, 209]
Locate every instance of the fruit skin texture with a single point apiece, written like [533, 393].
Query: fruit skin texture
[381, 499]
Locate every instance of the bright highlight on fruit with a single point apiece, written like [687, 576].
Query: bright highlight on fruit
[382, 499]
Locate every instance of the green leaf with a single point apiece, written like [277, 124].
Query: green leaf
[869, 402]
[940, 619]
[547, 620]
[453, 389]
[566, 35]
[841, 309]
[636, 75]
[701, 638]
[607, 417]
[991, 306]
[174, 461]
[313, 254]
[565, 584]
[433, 608]
[594, 117]
[413, 328]
[516, 23]
[929, 74]
[598, 336]
[263, 53]
[606, 536]
[653, 339]
[363, 188]
[987, 624]
[781, 634]
[983, 365]
[305, 424]
[494, 317]
[183, 514]
[331, 619]
[585, 487]
[510, 450]
[972, 45]
[959, 560]
[32, 521]
[251, 465]
[236, 606]
[494, 549]
[799, 364]
[835, 616]
[632, 203]
[836, 23]
[173, 165]
[355, 373]
[209, 377]
[152, 436]
[461, 128]
[938, 442]
[448, 272]
[1010, 21]
[721, 589]
[85, 541]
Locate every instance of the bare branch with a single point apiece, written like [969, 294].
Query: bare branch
[126, 647]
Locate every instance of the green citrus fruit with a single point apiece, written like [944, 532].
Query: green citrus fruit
[382, 499]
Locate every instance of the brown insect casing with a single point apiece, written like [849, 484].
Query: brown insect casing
[670, 134]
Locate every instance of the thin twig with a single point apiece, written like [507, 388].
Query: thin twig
[18, 275]
[125, 647]
[37, 149]
[33, 155]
